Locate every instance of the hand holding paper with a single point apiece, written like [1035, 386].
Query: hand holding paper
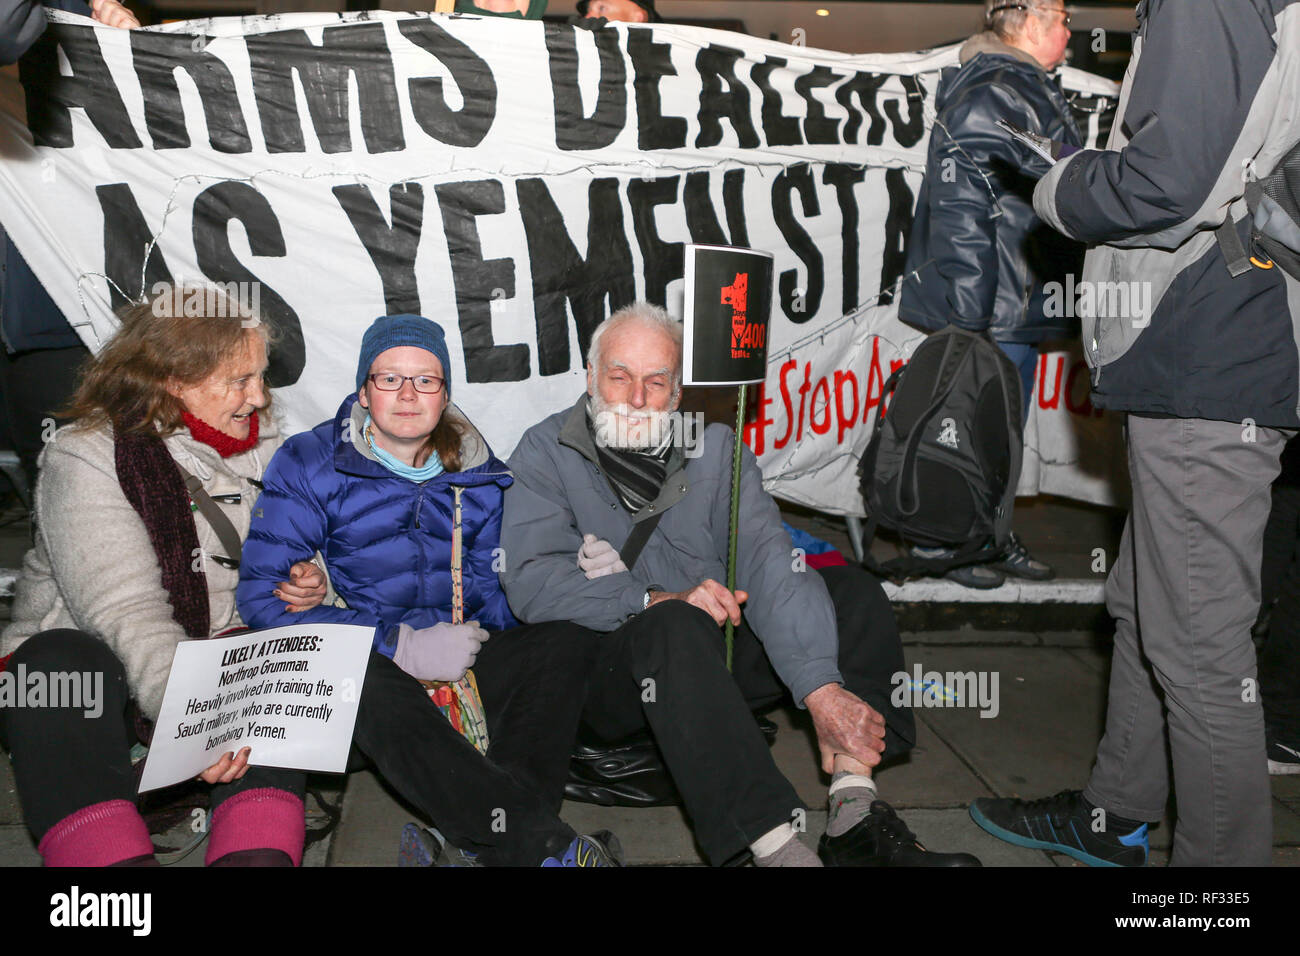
[229, 768]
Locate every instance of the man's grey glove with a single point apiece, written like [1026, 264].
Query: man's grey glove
[442, 652]
[597, 557]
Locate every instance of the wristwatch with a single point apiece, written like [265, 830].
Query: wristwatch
[648, 591]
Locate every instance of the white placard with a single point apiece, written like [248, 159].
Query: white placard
[289, 693]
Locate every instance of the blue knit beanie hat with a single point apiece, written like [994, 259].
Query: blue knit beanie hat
[391, 331]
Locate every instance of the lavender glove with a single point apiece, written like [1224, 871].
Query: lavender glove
[598, 557]
[442, 652]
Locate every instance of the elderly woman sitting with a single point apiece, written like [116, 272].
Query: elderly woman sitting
[170, 415]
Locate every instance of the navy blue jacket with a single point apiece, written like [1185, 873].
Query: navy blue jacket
[386, 540]
[979, 257]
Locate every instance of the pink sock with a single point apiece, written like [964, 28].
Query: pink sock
[98, 835]
[265, 818]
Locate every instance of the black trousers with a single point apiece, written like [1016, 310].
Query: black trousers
[1279, 661]
[666, 670]
[33, 385]
[64, 760]
[503, 806]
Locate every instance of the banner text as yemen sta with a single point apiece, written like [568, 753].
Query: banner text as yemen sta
[516, 182]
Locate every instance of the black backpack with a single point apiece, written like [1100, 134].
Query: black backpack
[1273, 205]
[944, 459]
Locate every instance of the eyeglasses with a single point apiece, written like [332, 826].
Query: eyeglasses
[1037, 11]
[392, 382]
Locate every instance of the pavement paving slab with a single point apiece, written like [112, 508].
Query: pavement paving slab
[795, 752]
[1049, 717]
[1286, 825]
[931, 776]
[11, 812]
[1097, 658]
[16, 846]
[651, 836]
[371, 825]
[1286, 788]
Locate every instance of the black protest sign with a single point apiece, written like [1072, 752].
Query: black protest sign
[728, 310]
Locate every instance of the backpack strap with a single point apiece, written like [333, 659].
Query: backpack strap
[457, 559]
[222, 525]
[1235, 254]
[636, 541]
[1016, 447]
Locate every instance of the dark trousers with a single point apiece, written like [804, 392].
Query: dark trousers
[33, 385]
[666, 670]
[504, 805]
[1279, 661]
[64, 760]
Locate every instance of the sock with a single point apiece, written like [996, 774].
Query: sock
[266, 818]
[781, 847]
[849, 799]
[101, 834]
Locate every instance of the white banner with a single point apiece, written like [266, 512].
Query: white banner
[289, 694]
[514, 181]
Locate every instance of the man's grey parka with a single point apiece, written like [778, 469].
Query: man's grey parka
[559, 494]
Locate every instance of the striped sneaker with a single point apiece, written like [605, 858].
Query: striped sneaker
[1066, 823]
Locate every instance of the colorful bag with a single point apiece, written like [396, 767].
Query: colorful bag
[460, 701]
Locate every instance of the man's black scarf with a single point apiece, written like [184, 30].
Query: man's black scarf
[636, 475]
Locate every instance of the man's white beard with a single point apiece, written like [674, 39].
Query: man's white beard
[630, 429]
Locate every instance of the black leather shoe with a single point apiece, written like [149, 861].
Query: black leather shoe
[881, 838]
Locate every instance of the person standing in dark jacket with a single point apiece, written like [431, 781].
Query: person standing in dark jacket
[1207, 372]
[979, 257]
[40, 351]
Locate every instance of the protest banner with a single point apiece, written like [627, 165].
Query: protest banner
[515, 181]
[288, 693]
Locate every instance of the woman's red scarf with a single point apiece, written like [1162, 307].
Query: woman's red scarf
[223, 443]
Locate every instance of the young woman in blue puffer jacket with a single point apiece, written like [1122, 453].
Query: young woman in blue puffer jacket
[401, 497]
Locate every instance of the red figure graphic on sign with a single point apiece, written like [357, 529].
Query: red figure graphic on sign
[736, 295]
